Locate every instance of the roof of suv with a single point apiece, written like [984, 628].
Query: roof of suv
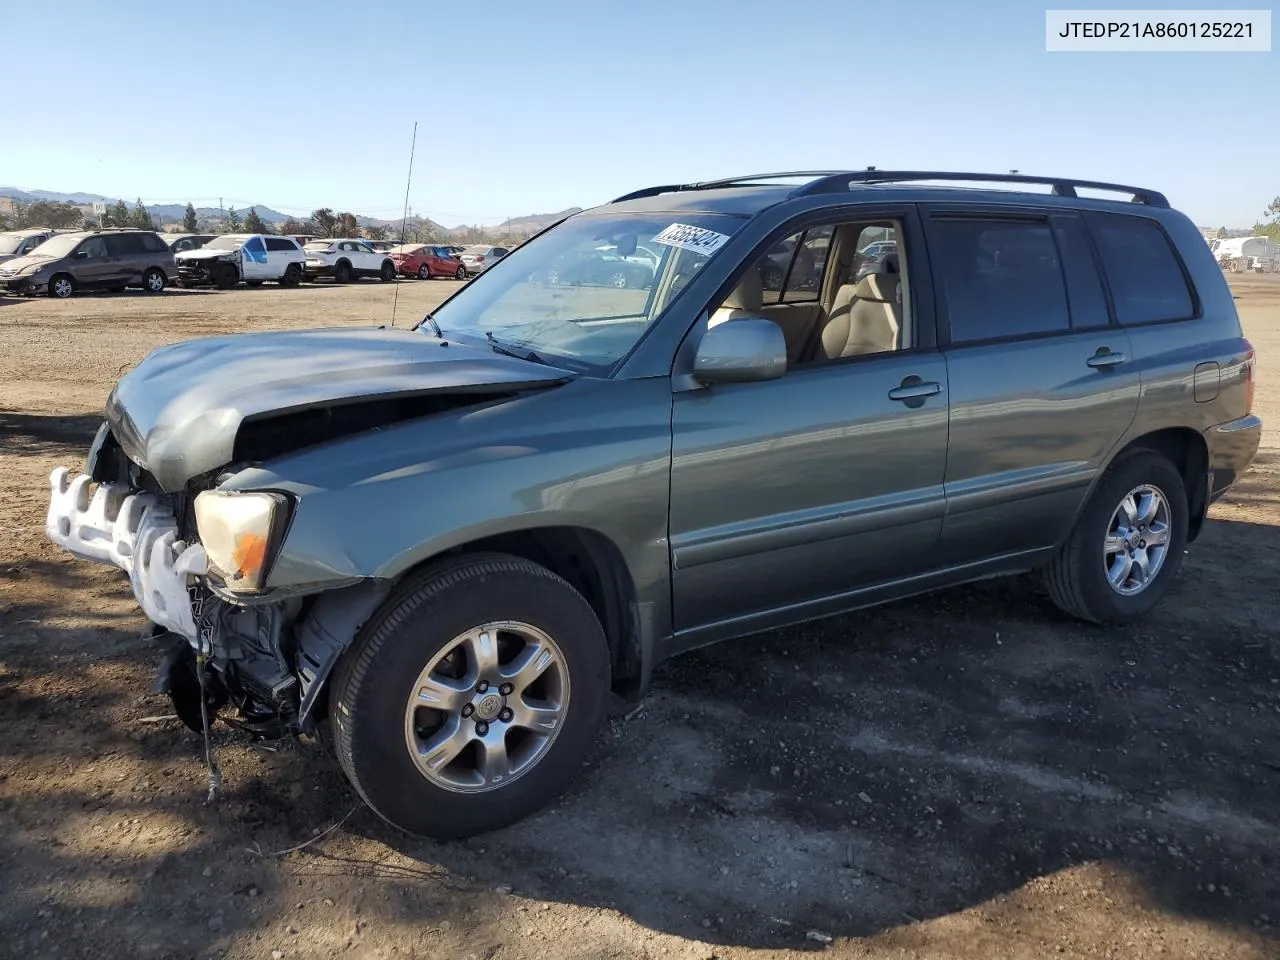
[747, 196]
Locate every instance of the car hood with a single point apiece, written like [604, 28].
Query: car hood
[17, 264]
[203, 253]
[179, 412]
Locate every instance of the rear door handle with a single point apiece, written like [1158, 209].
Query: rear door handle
[915, 391]
[1102, 361]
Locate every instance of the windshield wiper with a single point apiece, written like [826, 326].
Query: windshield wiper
[434, 326]
[513, 351]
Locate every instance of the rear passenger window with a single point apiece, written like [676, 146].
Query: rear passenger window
[1084, 286]
[278, 244]
[1000, 278]
[1142, 269]
[124, 244]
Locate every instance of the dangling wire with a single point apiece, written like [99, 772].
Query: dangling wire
[404, 221]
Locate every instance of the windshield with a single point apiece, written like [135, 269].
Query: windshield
[9, 242]
[583, 293]
[225, 242]
[57, 246]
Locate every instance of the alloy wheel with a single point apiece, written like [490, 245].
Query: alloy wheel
[1137, 540]
[487, 707]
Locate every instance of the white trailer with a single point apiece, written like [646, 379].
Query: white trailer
[1246, 254]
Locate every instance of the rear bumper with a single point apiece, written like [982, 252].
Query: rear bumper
[318, 269]
[1232, 447]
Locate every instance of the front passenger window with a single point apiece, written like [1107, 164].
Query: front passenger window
[836, 290]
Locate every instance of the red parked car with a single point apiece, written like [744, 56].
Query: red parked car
[425, 261]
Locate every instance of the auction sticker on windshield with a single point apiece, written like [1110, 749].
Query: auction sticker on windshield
[697, 239]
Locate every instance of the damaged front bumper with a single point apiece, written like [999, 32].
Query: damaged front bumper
[136, 532]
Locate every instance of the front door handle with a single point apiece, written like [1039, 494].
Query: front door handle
[915, 391]
[1105, 359]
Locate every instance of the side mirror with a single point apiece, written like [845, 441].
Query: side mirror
[741, 351]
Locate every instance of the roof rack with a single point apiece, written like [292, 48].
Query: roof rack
[838, 181]
[724, 182]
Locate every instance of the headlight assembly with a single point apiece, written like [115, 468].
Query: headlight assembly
[240, 531]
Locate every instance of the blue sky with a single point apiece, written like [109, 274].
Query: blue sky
[530, 107]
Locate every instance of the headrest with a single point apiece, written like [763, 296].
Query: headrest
[747, 295]
[877, 286]
[890, 263]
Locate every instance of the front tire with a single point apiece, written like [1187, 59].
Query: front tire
[226, 277]
[62, 286]
[1125, 551]
[388, 271]
[424, 272]
[470, 700]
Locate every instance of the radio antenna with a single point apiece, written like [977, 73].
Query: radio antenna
[404, 221]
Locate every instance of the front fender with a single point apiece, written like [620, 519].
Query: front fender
[593, 454]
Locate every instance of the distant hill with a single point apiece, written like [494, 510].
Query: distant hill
[173, 213]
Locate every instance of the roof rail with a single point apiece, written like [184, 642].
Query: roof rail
[724, 182]
[1062, 186]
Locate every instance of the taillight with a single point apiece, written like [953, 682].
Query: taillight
[480, 258]
[1250, 366]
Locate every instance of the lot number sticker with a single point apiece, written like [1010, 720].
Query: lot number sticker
[697, 239]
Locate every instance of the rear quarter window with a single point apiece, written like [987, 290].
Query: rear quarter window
[281, 244]
[153, 244]
[1147, 280]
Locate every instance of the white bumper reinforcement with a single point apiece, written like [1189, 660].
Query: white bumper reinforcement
[135, 532]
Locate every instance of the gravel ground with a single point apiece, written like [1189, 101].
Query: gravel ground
[970, 775]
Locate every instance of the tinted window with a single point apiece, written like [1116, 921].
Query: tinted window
[124, 244]
[152, 243]
[280, 243]
[255, 249]
[93, 248]
[1000, 278]
[1084, 285]
[1142, 268]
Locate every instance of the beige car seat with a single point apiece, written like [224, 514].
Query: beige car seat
[745, 300]
[864, 317]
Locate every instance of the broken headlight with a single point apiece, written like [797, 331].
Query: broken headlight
[240, 531]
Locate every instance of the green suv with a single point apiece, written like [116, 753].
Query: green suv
[440, 549]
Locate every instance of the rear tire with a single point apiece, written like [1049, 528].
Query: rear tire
[154, 281]
[461, 274]
[1097, 574]
[385, 734]
[292, 276]
[342, 272]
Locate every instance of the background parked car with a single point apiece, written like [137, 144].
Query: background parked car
[381, 246]
[227, 259]
[601, 267]
[92, 260]
[18, 243]
[347, 259]
[179, 242]
[425, 261]
[479, 257]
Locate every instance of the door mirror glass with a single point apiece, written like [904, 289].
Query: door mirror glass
[741, 351]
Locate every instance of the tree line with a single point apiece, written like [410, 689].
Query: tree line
[323, 222]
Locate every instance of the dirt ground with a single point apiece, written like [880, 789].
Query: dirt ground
[966, 776]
